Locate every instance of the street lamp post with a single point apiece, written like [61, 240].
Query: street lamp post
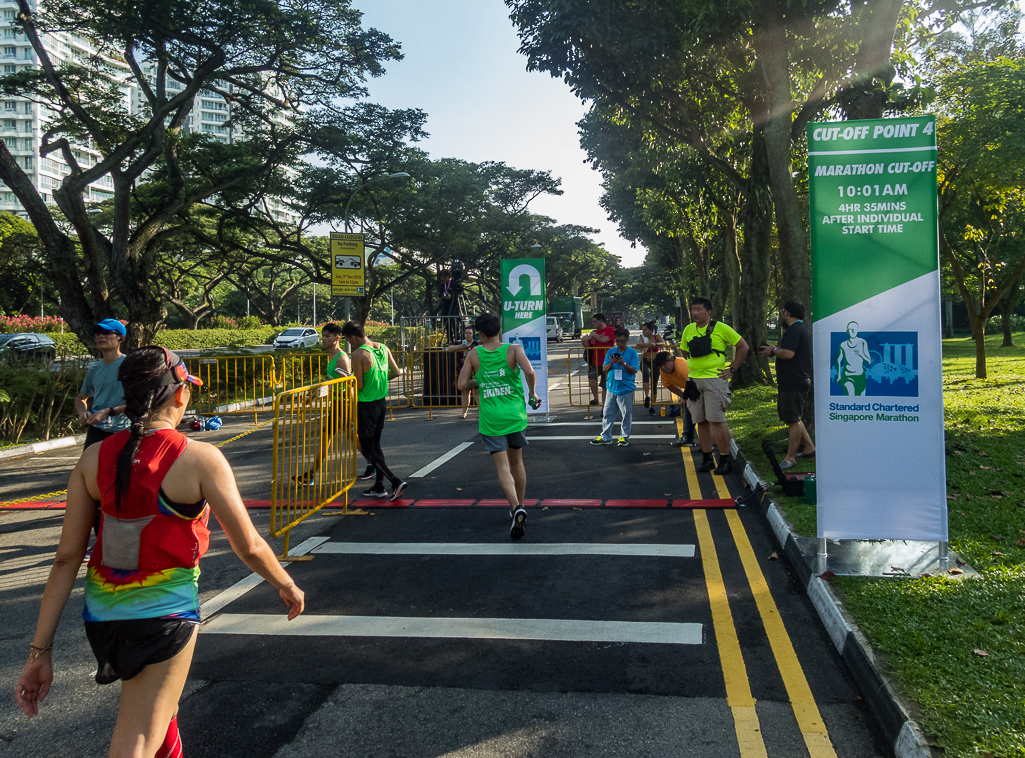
[397, 175]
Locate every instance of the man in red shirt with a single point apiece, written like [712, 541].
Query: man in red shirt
[599, 341]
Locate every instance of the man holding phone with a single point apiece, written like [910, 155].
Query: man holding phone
[620, 369]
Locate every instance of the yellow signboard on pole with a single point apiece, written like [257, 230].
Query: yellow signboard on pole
[348, 265]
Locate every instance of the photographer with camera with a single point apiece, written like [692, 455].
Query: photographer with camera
[793, 380]
[620, 369]
[449, 291]
[704, 345]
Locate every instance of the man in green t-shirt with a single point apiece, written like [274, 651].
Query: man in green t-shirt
[706, 360]
[372, 363]
[494, 368]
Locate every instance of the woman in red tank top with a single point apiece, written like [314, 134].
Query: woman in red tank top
[154, 489]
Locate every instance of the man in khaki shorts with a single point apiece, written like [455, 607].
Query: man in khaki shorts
[704, 345]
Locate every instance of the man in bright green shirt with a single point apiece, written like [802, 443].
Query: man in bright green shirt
[494, 368]
[372, 363]
[708, 369]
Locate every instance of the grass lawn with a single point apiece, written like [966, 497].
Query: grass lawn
[956, 648]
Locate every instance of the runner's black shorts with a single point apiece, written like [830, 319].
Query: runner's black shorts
[124, 648]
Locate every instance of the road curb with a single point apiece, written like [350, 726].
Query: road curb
[888, 707]
[41, 447]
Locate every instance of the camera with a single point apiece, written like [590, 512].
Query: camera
[456, 267]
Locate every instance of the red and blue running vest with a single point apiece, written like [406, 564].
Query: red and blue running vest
[145, 563]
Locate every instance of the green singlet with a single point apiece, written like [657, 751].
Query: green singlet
[502, 407]
[332, 366]
[375, 379]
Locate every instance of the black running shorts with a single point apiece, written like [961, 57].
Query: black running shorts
[124, 648]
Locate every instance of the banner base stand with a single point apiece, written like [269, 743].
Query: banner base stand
[543, 418]
[889, 558]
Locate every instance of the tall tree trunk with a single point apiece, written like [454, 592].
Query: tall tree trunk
[754, 267]
[773, 57]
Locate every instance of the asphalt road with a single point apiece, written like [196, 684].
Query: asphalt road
[429, 633]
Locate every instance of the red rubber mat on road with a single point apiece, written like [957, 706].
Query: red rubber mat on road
[503, 503]
[704, 504]
[34, 506]
[557, 503]
[637, 503]
[443, 503]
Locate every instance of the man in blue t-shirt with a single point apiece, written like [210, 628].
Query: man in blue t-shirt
[620, 368]
[107, 415]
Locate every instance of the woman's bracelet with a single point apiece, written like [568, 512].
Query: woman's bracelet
[35, 652]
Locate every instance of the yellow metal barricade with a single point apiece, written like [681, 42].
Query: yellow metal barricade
[579, 387]
[399, 392]
[314, 459]
[294, 370]
[233, 385]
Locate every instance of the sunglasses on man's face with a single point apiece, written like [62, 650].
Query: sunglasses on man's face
[98, 331]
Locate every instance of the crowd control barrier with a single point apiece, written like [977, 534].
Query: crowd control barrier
[314, 457]
[236, 385]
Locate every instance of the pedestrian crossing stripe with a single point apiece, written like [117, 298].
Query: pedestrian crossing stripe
[545, 630]
[506, 548]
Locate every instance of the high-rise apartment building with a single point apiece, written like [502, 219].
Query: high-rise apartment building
[22, 122]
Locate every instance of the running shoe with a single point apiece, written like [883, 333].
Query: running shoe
[518, 520]
[623, 441]
[397, 489]
[726, 467]
[306, 477]
[375, 491]
[601, 441]
[368, 473]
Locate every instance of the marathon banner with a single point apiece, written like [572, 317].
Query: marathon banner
[877, 342]
[348, 272]
[523, 318]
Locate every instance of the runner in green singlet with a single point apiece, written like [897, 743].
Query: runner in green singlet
[494, 368]
[372, 363]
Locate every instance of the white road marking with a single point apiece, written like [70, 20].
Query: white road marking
[634, 437]
[598, 422]
[559, 630]
[455, 548]
[438, 461]
[237, 590]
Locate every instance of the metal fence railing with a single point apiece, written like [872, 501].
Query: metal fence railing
[314, 455]
[577, 366]
[238, 385]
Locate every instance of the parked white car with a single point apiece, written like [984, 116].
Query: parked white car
[553, 328]
[297, 336]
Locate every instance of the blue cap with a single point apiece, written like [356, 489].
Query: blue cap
[112, 325]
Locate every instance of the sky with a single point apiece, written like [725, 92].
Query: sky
[461, 67]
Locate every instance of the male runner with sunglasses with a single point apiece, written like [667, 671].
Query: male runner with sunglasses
[101, 384]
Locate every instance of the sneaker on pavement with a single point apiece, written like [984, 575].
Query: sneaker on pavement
[678, 442]
[397, 489]
[623, 441]
[601, 441]
[519, 518]
[651, 411]
[725, 467]
[368, 473]
[375, 492]
[706, 465]
[305, 477]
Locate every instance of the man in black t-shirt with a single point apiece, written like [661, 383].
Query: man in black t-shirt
[793, 380]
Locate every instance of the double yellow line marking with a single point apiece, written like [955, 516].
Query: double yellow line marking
[738, 687]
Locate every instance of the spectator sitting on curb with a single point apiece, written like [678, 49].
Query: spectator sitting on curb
[793, 380]
[703, 344]
[595, 343]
